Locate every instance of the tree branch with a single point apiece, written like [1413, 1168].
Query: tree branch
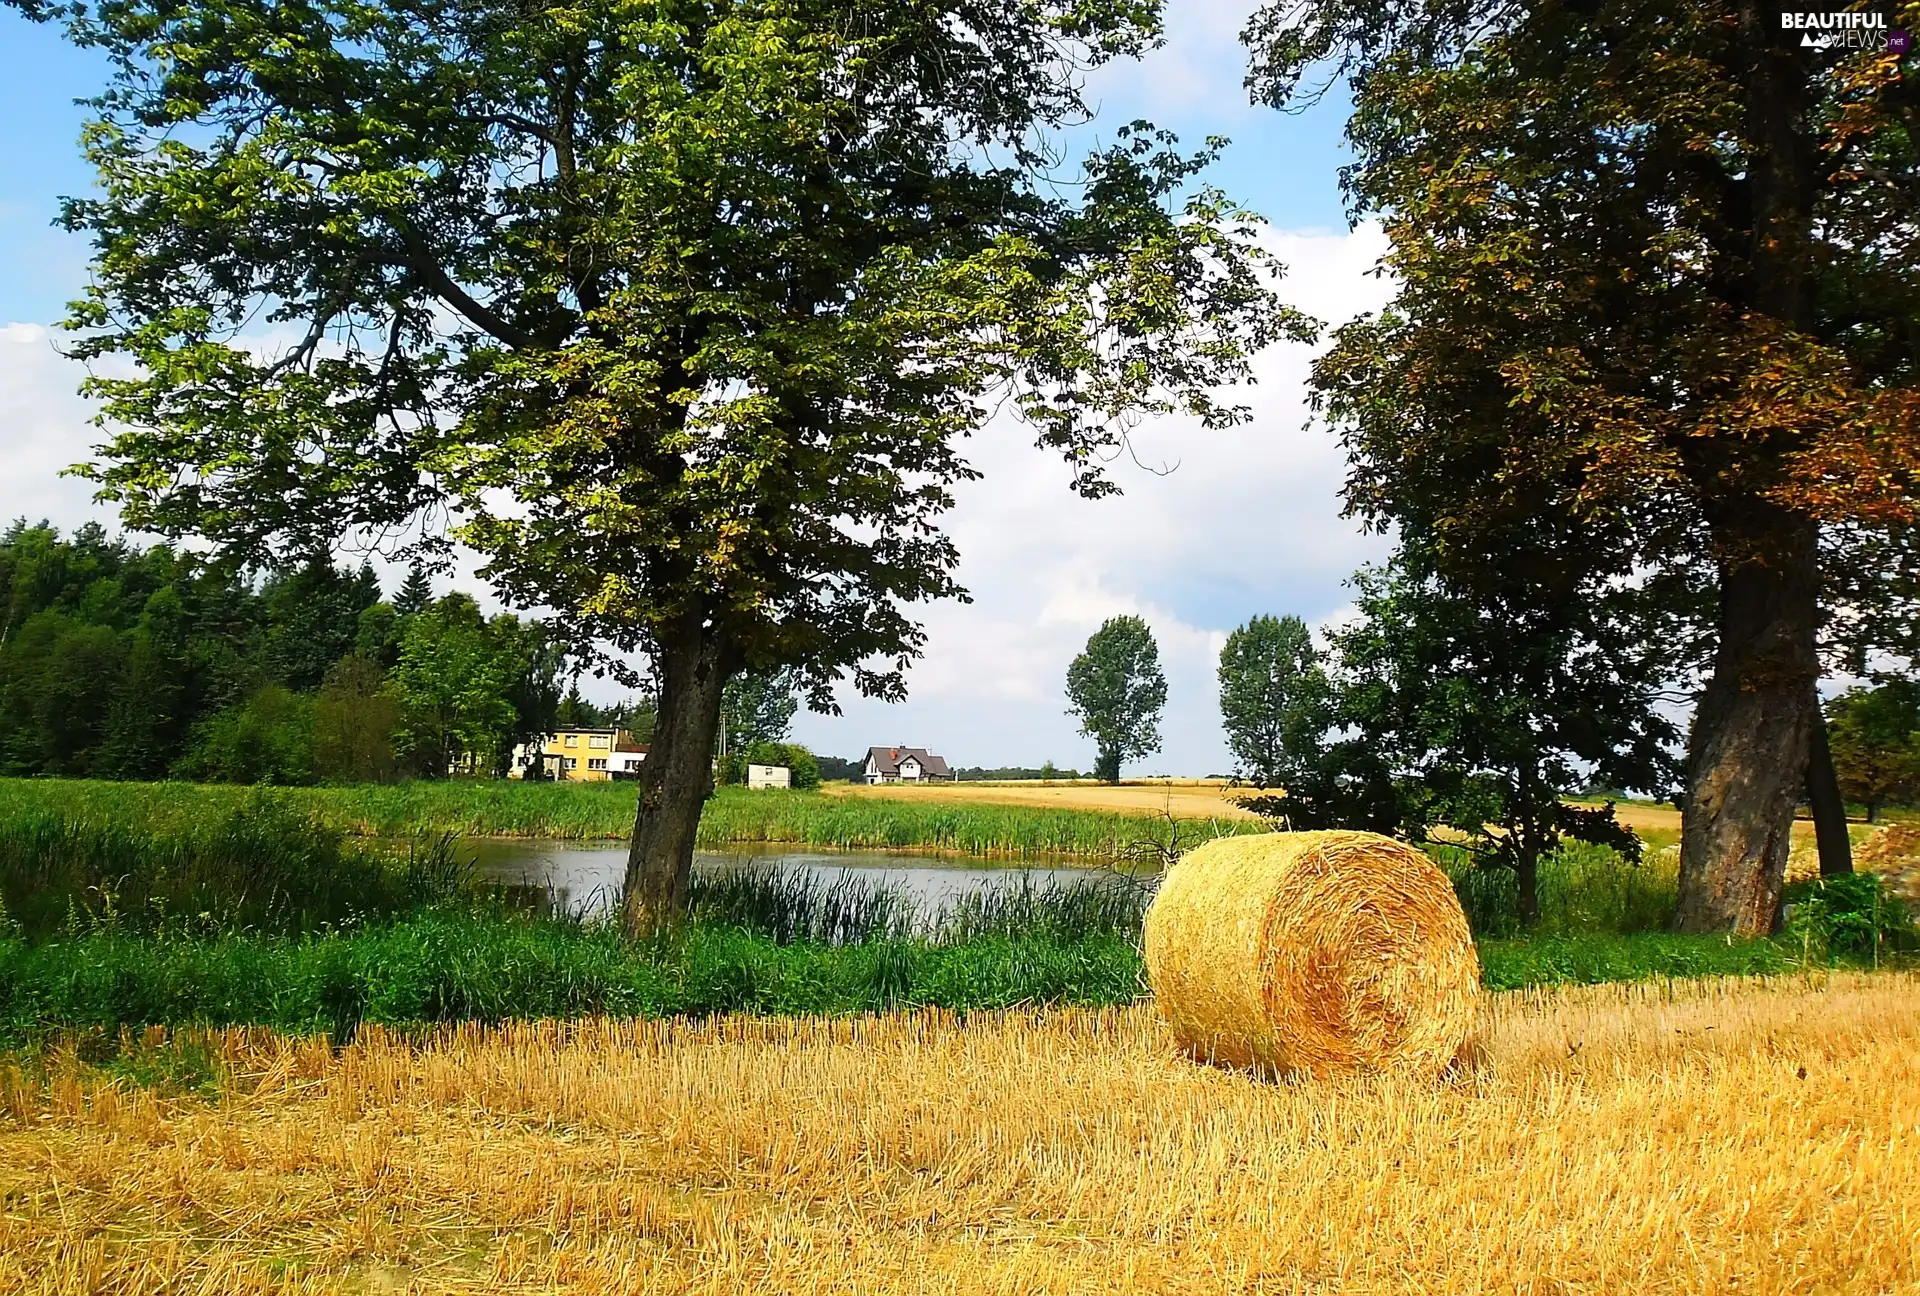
[421, 260]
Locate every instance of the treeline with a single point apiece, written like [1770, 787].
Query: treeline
[1014, 773]
[854, 770]
[119, 662]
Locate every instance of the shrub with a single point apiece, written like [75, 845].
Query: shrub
[1853, 913]
[266, 739]
[797, 759]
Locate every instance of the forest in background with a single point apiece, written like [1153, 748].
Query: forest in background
[127, 663]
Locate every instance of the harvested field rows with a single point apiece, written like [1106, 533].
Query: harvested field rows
[1697, 1138]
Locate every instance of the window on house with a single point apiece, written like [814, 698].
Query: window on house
[599, 740]
[598, 763]
[573, 740]
[573, 762]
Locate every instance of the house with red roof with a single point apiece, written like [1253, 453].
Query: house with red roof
[906, 765]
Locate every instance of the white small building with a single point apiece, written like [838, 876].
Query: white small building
[905, 765]
[769, 776]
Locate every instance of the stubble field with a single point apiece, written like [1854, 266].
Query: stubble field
[1699, 1137]
[1181, 798]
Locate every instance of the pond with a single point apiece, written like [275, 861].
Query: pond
[585, 877]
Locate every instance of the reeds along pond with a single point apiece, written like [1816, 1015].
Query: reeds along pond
[256, 864]
[587, 811]
[235, 906]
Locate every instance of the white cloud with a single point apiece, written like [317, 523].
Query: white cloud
[1248, 521]
[44, 427]
[1199, 71]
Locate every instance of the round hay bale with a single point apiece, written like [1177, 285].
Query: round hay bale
[1313, 952]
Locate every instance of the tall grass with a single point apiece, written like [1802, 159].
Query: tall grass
[452, 967]
[879, 823]
[1583, 889]
[790, 906]
[585, 811]
[257, 863]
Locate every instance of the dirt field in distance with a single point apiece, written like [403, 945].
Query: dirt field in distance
[1184, 798]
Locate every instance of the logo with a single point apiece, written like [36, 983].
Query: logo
[1848, 30]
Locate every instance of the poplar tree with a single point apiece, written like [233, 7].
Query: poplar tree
[1117, 690]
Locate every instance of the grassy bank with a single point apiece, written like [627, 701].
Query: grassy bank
[585, 811]
[255, 907]
[255, 863]
[445, 967]
[454, 967]
[436, 968]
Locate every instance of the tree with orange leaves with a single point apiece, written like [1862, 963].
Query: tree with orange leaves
[1658, 275]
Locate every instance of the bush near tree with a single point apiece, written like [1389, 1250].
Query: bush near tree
[1876, 744]
[1467, 720]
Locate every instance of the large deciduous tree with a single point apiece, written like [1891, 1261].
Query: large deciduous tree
[1117, 690]
[1478, 710]
[1269, 693]
[1655, 265]
[679, 308]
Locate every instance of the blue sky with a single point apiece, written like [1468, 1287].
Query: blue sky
[1247, 521]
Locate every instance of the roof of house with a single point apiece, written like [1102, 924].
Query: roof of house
[887, 760]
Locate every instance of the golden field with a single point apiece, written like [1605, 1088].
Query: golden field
[1705, 1137]
[1182, 798]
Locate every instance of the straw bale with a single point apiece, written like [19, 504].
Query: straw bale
[1313, 952]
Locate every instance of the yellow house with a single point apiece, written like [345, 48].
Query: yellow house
[581, 756]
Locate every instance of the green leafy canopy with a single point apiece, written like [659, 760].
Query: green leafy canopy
[1117, 690]
[675, 311]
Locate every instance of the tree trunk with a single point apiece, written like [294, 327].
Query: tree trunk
[1107, 765]
[1823, 798]
[1526, 868]
[675, 779]
[1747, 754]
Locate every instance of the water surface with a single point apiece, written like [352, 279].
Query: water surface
[585, 877]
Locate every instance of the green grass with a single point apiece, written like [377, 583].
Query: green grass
[446, 967]
[1642, 956]
[256, 863]
[585, 811]
[438, 967]
[476, 808]
[169, 904]
[1583, 889]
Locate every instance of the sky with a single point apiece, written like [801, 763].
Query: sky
[1211, 528]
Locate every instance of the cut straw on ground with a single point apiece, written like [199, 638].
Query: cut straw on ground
[1705, 1137]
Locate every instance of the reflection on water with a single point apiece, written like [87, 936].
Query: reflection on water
[585, 877]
